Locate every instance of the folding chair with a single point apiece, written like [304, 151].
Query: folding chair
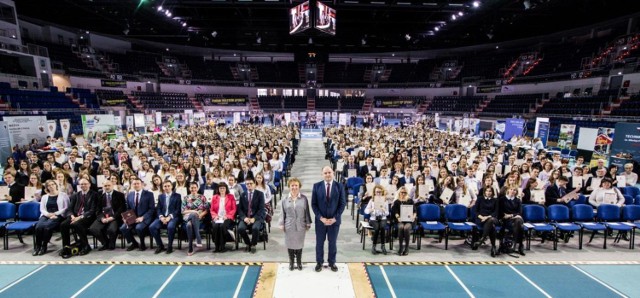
[456, 218]
[535, 220]
[28, 215]
[429, 220]
[609, 215]
[583, 216]
[559, 217]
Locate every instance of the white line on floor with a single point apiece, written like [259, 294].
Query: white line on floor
[244, 273]
[92, 282]
[599, 281]
[459, 281]
[166, 282]
[21, 279]
[384, 274]
[530, 282]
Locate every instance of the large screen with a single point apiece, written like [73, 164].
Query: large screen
[325, 18]
[299, 18]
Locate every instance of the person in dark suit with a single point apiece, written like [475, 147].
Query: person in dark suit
[244, 174]
[16, 191]
[82, 209]
[142, 203]
[368, 168]
[328, 200]
[251, 213]
[558, 193]
[168, 212]
[108, 216]
[510, 213]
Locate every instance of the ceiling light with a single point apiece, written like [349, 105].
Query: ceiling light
[461, 13]
[310, 40]
[453, 17]
[476, 4]
[259, 40]
[436, 28]
[214, 34]
[407, 37]
[160, 8]
[184, 24]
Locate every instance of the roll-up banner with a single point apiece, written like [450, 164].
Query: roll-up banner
[513, 127]
[65, 126]
[565, 139]
[52, 125]
[602, 146]
[138, 120]
[129, 121]
[542, 129]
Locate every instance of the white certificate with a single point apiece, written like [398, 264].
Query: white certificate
[465, 199]
[622, 180]
[577, 182]
[595, 182]
[446, 195]
[100, 179]
[379, 203]
[30, 193]
[384, 182]
[182, 191]
[423, 191]
[406, 213]
[351, 173]
[4, 193]
[208, 194]
[610, 198]
[408, 187]
[537, 195]
[370, 187]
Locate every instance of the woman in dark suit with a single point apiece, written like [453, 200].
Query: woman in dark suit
[487, 218]
[223, 213]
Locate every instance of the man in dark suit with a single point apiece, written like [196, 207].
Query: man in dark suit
[251, 213]
[82, 206]
[16, 191]
[168, 212]
[350, 165]
[142, 203]
[368, 168]
[244, 174]
[558, 193]
[328, 201]
[109, 216]
[73, 164]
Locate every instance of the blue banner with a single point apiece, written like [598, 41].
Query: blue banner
[513, 127]
[543, 132]
[626, 145]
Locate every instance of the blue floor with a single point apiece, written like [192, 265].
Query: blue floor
[504, 281]
[127, 281]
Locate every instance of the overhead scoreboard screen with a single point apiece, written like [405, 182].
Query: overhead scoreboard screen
[299, 18]
[325, 19]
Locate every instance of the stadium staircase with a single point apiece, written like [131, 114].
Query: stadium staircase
[522, 66]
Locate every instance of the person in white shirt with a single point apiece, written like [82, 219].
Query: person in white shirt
[606, 194]
[631, 178]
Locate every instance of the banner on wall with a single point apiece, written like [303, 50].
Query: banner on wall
[436, 119]
[602, 146]
[98, 123]
[235, 101]
[513, 127]
[149, 120]
[465, 122]
[5, 143]
[488, 89]
[626, 145]
[22, 129]
[334, 117]
[474, 126]
[138, 120]
[394, 103]
[543, 132]
[199, 117]
[158, 118]
[129, 121]
[52, 125]
[237, 118]
[189, 116]
[118, 121]
[565, 139]
[113, 83]
[287, 118]
[65, 126]
[342, 119]
[295, 117]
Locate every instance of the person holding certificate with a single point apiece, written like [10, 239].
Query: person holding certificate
[631, 178]
[404, 214]
[34, 189]
[223, 213]
[606, 194]
[366, 190]
[532, 194]
[194, 208]
[378, 209]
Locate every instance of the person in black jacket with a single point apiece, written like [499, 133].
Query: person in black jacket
[487, 218]
[16, 190]
[110, 206]
[82, 209]
[510, 209]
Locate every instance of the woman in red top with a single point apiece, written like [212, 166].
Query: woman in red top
[223, 213]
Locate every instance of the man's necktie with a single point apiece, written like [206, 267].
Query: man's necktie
[137, 199]
[328, 192]
[81, 209]
[250, 197]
